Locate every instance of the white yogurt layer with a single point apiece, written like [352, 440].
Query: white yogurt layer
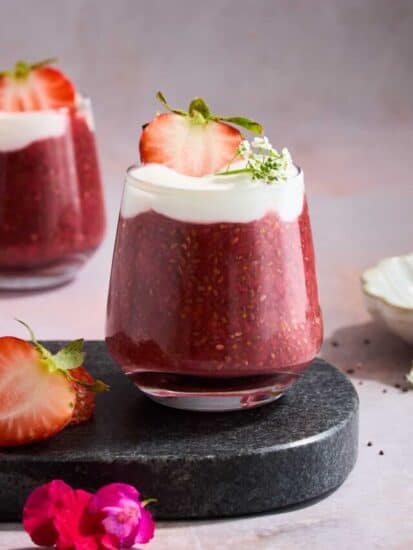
[20, 129]
[210, 199]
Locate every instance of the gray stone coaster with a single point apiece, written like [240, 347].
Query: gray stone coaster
[198, 465]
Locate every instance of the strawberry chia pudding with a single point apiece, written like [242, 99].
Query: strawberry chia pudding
[213, 301]
[52, 204]
[51, 212]
[213, 281]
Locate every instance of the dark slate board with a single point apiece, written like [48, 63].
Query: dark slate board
[198, 465]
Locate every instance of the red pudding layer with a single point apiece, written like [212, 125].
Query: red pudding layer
[51, 199]
[213, 300]
[90, 186]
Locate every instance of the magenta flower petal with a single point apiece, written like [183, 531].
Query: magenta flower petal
[146, 528]
[78, 529]
[109, 495]
[40, 510]
[123, 514]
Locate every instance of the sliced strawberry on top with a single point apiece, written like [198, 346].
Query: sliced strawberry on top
[35, 87]
[195, 143]
[188, 148]
[34, 403]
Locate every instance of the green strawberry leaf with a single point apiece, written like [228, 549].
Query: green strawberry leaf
[68, 358]
[200, 113]
[248, 124]
[71, 356]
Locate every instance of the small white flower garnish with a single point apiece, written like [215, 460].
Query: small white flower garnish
[262, 143]
[244, 148]
[263, 162]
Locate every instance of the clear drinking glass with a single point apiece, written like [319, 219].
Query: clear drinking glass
[213, 301]
[51, 207]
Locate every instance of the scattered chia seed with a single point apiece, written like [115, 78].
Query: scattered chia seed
[398, 386]
[369, 444]
[366, 341]
[334, 343]
[350, 371]
[381, 453]
[405, 390]
[384, 390]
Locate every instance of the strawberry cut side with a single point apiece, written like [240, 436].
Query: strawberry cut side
[196, 142]
[189, 148]
[35, 404]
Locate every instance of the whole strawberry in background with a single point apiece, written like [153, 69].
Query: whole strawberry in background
[40, 392]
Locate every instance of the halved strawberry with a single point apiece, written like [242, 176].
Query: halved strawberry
[35, 87]
[34, 403]
[40, 392]
[195, 143]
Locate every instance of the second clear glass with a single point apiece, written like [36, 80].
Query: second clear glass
[52, 210]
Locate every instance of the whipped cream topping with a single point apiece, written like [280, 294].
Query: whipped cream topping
[20, 129]
[208, 199]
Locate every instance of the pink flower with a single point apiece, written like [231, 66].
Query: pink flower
[59, 516]
[40, 510]
[123, 514]
[78, 529]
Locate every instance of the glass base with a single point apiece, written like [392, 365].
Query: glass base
[38, 278]
[211, 395]
[214, 403]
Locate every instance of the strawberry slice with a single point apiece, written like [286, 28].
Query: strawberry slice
[188, 148]
[34, 403]
[41, 392]
[195, 143]
[35, 87]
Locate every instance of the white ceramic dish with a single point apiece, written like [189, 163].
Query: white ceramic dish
[388, 289]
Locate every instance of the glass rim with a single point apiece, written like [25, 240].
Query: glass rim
[154, 187]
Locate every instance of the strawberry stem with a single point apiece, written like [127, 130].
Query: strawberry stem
[200, 113]
[198, 105]
[232, 172]
[44, 62]
[22, 69]
[32, 336]
[68, 358]
[162, 99]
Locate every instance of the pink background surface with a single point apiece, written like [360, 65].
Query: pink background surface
[331, 80]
